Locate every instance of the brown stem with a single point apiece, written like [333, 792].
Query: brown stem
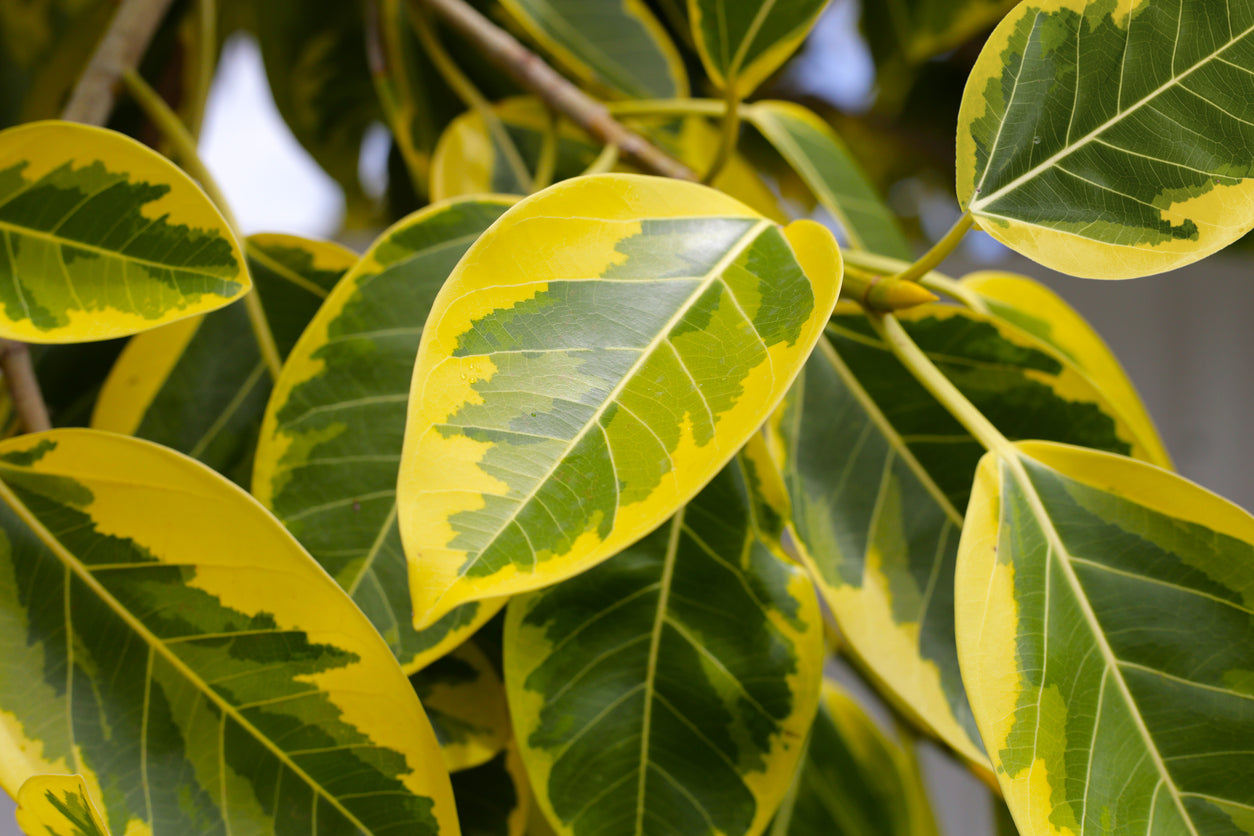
[19, 373]
[530, 71]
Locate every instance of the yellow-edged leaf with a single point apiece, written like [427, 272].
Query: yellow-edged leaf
[465, 701]
[741, 42]
[58, 805]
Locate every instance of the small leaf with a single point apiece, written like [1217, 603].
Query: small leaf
[641, 708]
[57, 805]
[494, 799]
[814, 150]
[1106, 632]
[103, 237]
[465, 701]
[915, 30]
[149, 652]
[1112, 140]
[618, 47]
[200, 385]
[330, 443]
[571, 400]
[741, 42]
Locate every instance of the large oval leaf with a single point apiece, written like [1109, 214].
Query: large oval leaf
[1112, 140]
[330, 442]
[878, 473]
[1106, 632]
[103, 237]
[596, 357]
[616, 46]
[200, 385]
[641, 708]
[58, 805]
[192, 681]
[741, 42]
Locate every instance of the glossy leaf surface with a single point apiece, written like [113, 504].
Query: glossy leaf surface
[200, 385]
[741, 42]
[330, 443]
[814, 150]
[641, 708]
[1105, 615]
[58, 805]
[1112, 140]
[568, 402]
[879, 472]
[616, 46]
[465, 700]
[494, 799]
[156, 660]
[166, 252]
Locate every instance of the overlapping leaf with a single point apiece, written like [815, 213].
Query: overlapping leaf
[494, 799]
[200, 385]
[879, 473]
[143, 648]
[465, 701]
[1112, 140]
[1106, 632]
[165, 252]
[58, 805]
[741, 42]
[596, 357]
[814, 150]
[641, 708]
[618, 47]
[330, 442]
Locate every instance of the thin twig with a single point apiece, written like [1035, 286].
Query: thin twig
[19, 372]
[527, 68]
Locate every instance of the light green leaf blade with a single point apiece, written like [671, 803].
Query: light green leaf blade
[330, 442]
[103, 237]
[58, 805]
[494, 799]
[571, 400]
[200, 385]
[639, 707]
[618, 47]
[147, 651]
[741, 42]
[1106, 632]
[878, 473]
[1112, 140]
[912, 31]
[465, 700]
[816, 153]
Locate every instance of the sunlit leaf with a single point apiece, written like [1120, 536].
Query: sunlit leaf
[913, 31]
[57, 805]
[494, 799]
[465, 701]
[616, 46]
[330, 443]
[1106, 631]
[600, 353]
[640, 707]
[200, 385]
[879, 473]
[165, 253]
[741, 42]
[157, 660]
[818, 155]
[1112, 140]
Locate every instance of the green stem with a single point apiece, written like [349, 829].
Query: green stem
[605, 161]
[667, 107]
[932, 280]
[731, 137]
[933, 257]
[176, 133]
[546, 163]
[206, 59]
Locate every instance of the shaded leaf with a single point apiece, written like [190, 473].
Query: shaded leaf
[1112, 140]
[913, 31]
[330, 443]
[165, 252]
[641, 708]
[43, 48]
[1106, 631]
[494, 799]
[57, 805]
[572, 400]
[741, 42]
[157, 661]
[465, 701]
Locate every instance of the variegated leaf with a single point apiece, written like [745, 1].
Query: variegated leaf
[58, 805]
[163, 251]
[595, 358]
[641, 708]
[1106, 632]
[331, 438]
[166, 638]
[465, 701]
[1112, 139]
[741, 42]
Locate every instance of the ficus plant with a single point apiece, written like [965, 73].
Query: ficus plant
[546, 513]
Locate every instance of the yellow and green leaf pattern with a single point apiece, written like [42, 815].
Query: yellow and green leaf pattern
[741, 42]
[595, 358]
[641, 708]
[57, 805]
[1105, 615]
[465, 702]
[165, 253]
[330, 442]
[1112, 139]
[156, 660]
